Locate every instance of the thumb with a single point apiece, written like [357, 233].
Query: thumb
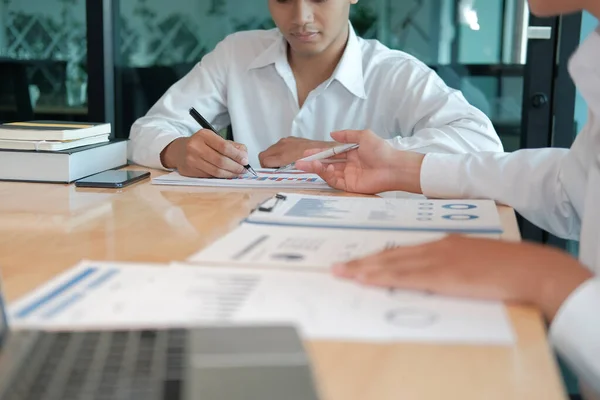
[347, 136]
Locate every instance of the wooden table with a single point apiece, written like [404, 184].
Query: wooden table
[45, 229]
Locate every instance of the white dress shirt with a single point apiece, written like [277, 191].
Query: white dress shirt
[247, 82]
[558, 190]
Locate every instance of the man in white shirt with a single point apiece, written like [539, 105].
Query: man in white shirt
[557, 189]
[283, 91]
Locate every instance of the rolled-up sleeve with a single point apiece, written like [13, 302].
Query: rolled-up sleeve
[204, 88]
[432, 117]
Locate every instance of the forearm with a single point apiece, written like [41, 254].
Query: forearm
[531, 181]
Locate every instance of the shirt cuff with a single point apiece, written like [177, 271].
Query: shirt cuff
[440, 175]
[575, 332]
[150, 156]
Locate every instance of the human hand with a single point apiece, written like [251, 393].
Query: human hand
[475, 268]
[374, 167]
[205, 155]
[288, 150]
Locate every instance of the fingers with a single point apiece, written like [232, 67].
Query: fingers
[226, 148]
[320, 166]
[420, 280]
[332, 174]
[207, 154]
[239, 146]
[404, 268]
[270, 158]
[315, 167]
[398, 259]
[272, 162]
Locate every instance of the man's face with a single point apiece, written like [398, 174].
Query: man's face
[311, 26]
[547, 8]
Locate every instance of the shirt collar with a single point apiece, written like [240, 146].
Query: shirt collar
[277, 51]
[349, 71]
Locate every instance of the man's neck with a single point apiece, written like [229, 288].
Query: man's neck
[318, 68]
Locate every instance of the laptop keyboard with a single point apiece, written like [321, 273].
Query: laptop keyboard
[104, 366]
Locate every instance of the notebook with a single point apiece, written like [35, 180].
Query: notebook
[52, 130]
[51, 145]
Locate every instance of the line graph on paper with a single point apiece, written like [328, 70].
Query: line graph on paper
[267, 178]
[277, 178]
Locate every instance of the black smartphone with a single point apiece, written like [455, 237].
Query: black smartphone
[112, 179]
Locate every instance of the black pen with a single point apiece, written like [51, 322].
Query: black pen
[206, 125]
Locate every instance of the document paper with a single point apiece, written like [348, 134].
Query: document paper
[267, 178]
[468, 216]
[105, 295]
[302, 247]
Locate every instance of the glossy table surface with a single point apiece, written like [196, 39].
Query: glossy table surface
[47, 228]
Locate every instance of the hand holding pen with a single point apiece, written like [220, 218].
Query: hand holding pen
[375, 166]
[206, 154]
[323, 156]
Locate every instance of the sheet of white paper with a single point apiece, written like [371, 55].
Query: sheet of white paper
[302, 247]
[468, 216]
[267, 178]
[105, 295]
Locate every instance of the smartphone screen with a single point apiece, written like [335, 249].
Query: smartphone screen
[112, 179]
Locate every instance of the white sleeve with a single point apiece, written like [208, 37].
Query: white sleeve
[435, 118]
[575, 332]
[543, 185]
[204, 88]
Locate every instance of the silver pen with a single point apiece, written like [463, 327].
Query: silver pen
[322, 155]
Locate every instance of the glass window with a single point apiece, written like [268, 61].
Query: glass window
[475, 45]
[43, 52]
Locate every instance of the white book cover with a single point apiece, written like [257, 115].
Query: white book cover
[52, 130]
[51, 145]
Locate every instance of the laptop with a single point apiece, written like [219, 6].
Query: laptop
[206, 363]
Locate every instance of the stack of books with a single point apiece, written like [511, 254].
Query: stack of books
[51, 151]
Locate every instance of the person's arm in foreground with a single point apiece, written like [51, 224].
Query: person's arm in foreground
[539, 183]
[167, 137]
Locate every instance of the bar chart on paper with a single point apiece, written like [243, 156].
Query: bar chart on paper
[267, 178]
[472, 216]
[317, 208]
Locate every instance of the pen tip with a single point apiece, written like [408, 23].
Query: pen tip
[251, 170]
